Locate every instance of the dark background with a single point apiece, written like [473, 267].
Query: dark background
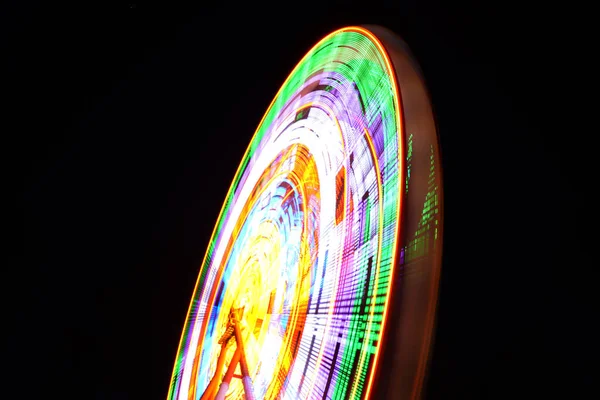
[125, 124]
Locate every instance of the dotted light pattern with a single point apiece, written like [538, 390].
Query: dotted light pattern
[307, 238]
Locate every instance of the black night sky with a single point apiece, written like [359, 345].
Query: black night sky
[124, 127]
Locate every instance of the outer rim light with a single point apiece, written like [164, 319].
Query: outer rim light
[402, 167]
[417, 118]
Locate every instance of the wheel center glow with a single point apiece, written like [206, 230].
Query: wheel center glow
[267, 271]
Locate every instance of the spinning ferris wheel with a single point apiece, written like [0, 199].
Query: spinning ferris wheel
[321, 276]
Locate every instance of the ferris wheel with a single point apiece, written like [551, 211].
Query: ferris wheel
[321, 277]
